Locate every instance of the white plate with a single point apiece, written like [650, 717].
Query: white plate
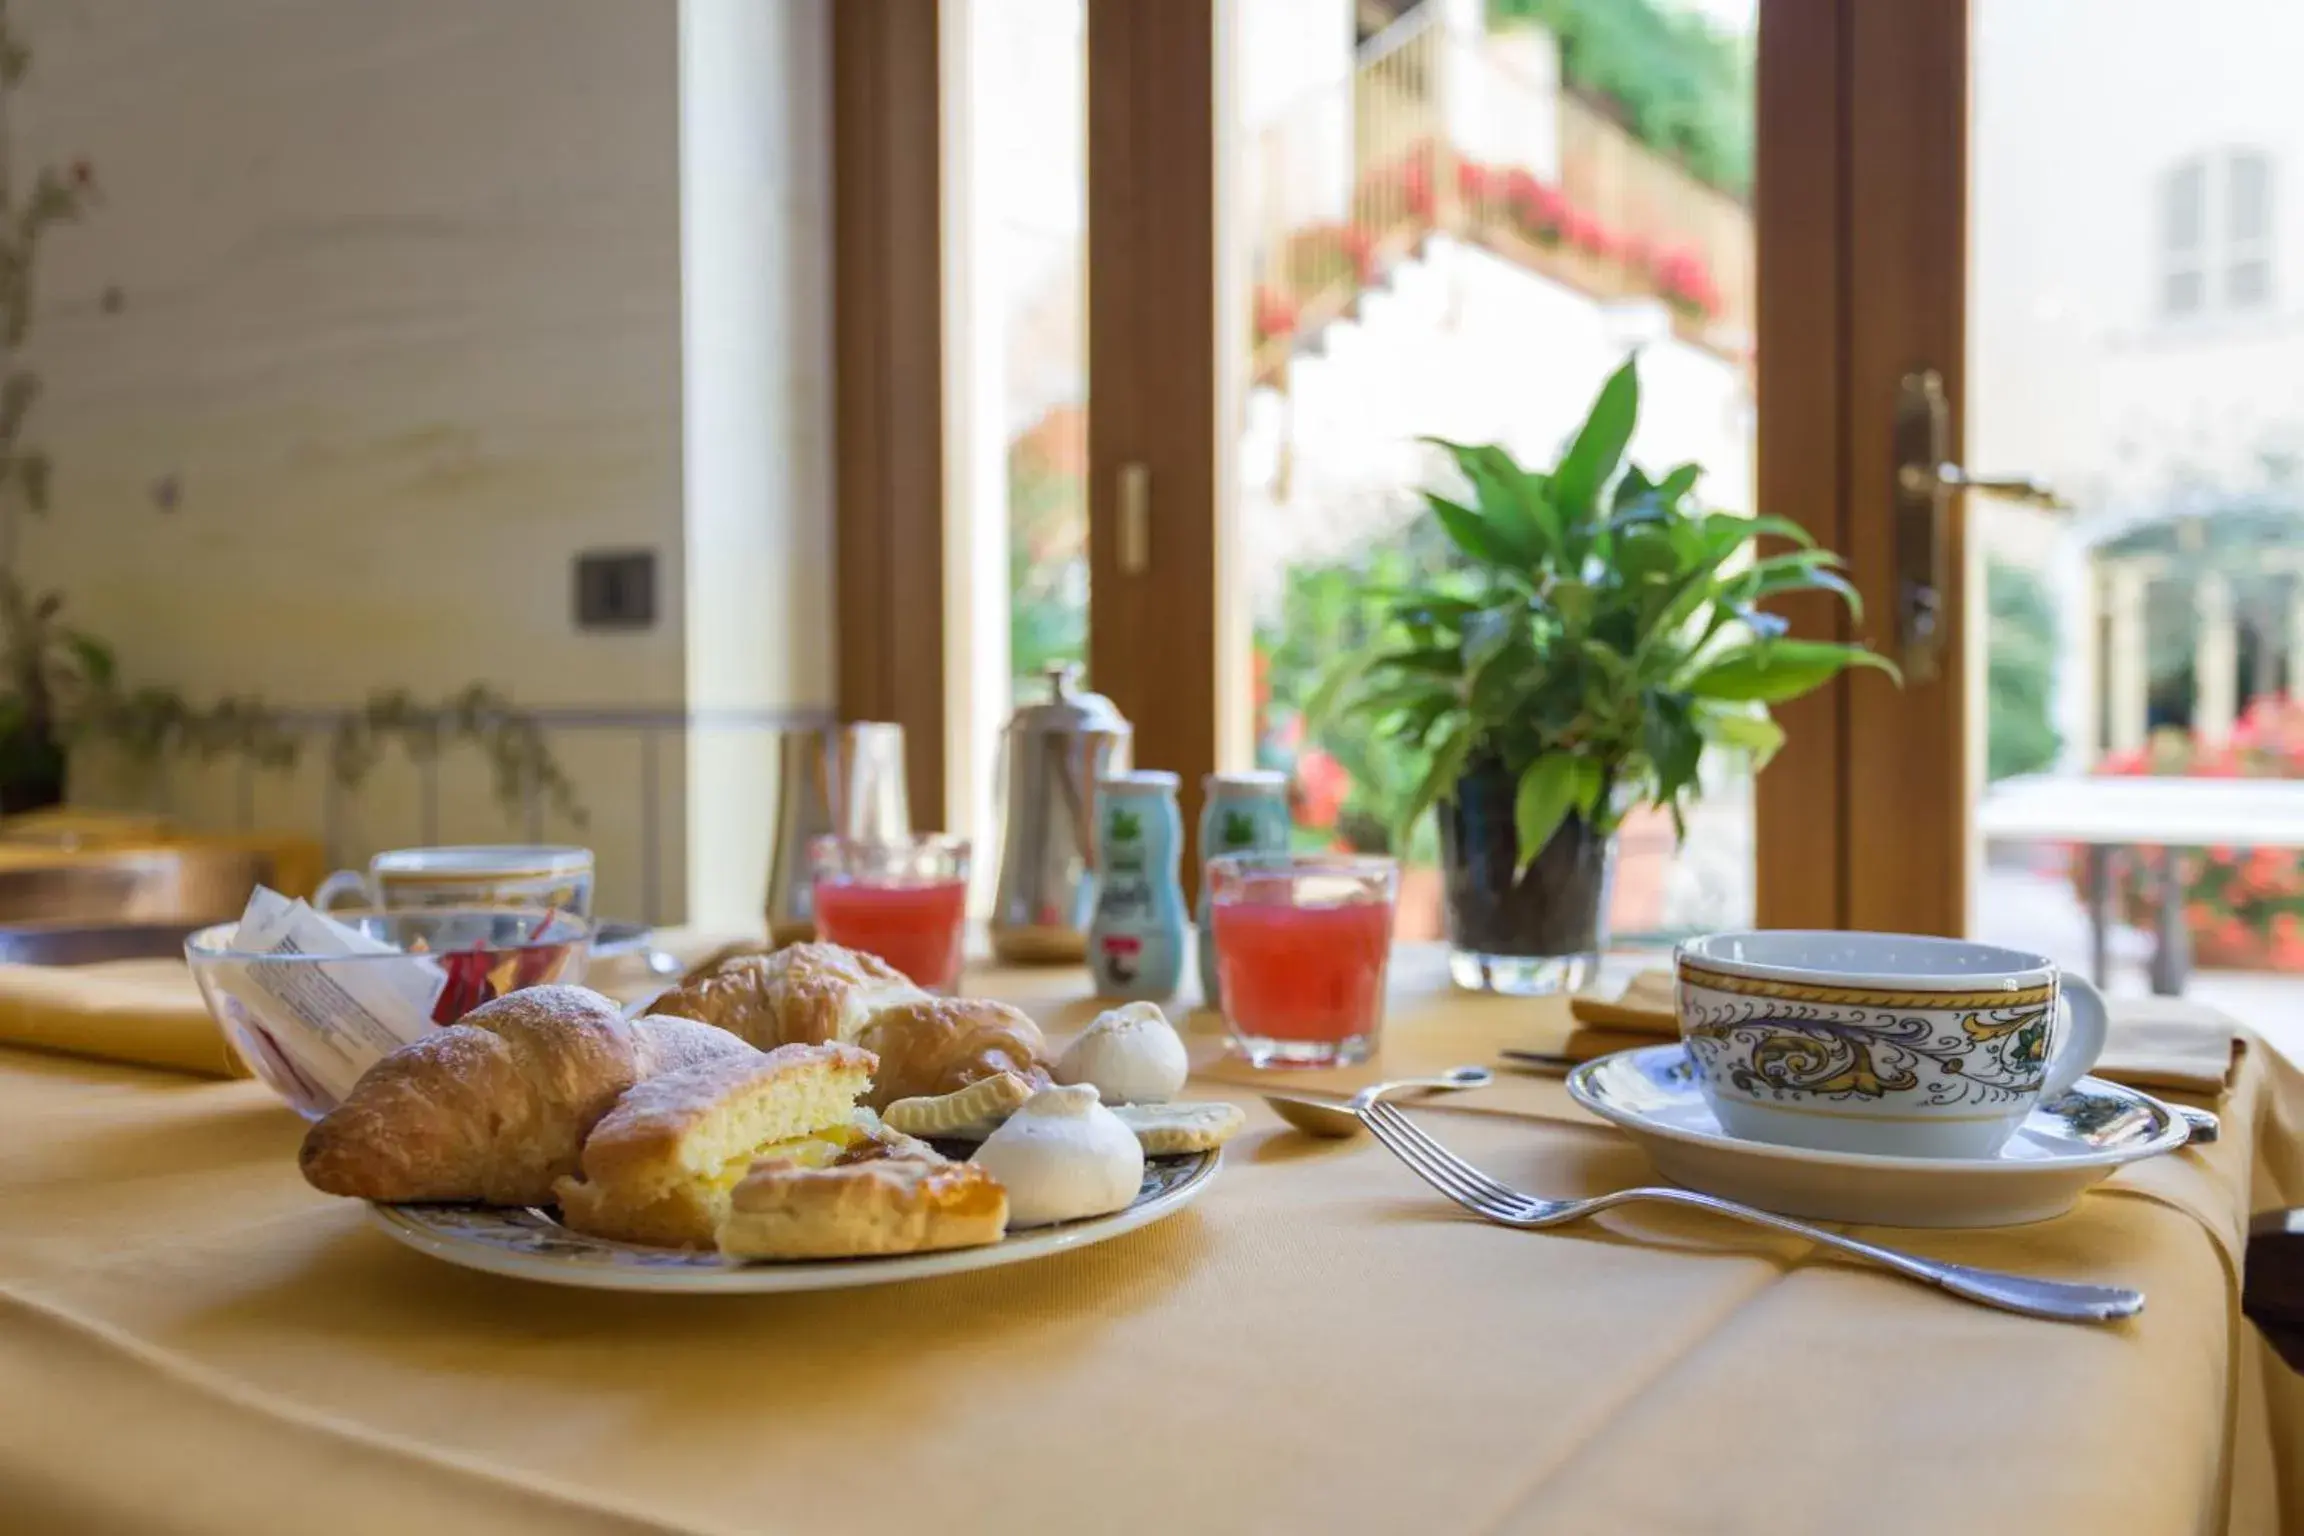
[2056, 1154]
[530, 1244]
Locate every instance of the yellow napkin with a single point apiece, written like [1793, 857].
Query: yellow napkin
[144, 1011]
[2154, 1042]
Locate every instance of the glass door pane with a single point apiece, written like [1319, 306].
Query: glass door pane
[2134, 281]
[1025, 203]
[1462, 218]
[1017, 441]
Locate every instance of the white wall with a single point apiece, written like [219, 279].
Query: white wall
[403, 314]
[2080, 105]
[755, 130]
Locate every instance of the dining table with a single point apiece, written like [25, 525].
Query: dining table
[193, 1340]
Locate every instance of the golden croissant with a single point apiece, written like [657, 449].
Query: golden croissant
[815, 994]
[496, 1108]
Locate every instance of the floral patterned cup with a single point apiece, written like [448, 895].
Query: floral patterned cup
[1880, 1042]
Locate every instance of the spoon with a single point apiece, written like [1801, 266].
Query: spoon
[1315, 1118]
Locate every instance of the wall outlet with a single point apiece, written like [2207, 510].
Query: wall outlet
[616, 589]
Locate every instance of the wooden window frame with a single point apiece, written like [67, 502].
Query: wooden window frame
[888, 372]
[1168, 633]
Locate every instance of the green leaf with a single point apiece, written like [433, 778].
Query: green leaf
[93, 656]
[1515, 504]
[1670, 737]
[1429, 661]
[1599, 446]
[1680, 482]
[1772, 671]
[1634, 489]
[1754, 734]
[1572, 601]
[1471, 532]
[1380, 702]
[1547, 791]
[1782, 527]
[1446, 768]
[1591, 780]
[1320, 708]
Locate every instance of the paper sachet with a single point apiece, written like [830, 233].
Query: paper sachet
[319, 1025]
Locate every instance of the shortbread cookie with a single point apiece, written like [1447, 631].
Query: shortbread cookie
[967, 1114]
[1167, 1130]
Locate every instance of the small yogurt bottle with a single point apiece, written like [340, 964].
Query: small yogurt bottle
[1137, 939]
[1243, 813]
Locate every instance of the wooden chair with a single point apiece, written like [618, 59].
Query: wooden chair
[2272, 1290]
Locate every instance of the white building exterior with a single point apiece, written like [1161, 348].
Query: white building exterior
[2136, 309]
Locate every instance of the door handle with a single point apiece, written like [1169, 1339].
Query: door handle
[1135, 519]
[1925, 481]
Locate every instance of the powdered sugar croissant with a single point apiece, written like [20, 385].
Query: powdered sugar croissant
[807, 994]
[497, 1107]
[813, 994]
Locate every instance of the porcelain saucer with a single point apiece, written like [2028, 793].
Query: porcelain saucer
[530, 1244]
[2061, 1149]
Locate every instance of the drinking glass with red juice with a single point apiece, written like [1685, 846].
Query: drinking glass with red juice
[904, 900]
[1301, 946]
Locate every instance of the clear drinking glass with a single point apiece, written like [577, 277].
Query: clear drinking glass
[903, 899]
[1301, 946]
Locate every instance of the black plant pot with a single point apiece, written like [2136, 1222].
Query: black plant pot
[31, 771]
[1529, 932]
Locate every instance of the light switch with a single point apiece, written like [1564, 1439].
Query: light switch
[616, 589]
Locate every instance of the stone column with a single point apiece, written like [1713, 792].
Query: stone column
[2292, 674]
[2215, 660]
[2078, 697]
[2127, 685]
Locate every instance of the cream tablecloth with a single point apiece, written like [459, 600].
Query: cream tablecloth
[192, 1341]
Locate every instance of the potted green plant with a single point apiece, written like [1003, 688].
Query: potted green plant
[1599, 633]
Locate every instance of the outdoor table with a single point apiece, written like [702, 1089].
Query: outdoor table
[2101, 814]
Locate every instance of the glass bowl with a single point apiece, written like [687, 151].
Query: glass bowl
[341, 1013]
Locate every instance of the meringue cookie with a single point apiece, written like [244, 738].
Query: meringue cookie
[1132, 1055]
[1063, 1156]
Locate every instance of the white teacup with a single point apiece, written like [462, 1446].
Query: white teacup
[1880, 1042]
[496, 875]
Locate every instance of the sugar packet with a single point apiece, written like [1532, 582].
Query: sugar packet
[320, 1025]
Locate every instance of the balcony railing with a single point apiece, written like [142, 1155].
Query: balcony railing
[1440, 133]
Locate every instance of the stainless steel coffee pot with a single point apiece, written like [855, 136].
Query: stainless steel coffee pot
[1051, 756]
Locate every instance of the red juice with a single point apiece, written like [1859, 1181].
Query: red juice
[916, 926]
[1303, 973]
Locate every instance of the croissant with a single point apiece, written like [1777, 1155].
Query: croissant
[497, 1107]
[808, 994]
[725, 955]
[939, 1045]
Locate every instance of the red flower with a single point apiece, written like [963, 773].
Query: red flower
[1275, 314]
[1588, 234]
[1684, 280]
[1321, 785]
[83, 173]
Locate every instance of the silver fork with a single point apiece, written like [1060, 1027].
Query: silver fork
[2061, 1300]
